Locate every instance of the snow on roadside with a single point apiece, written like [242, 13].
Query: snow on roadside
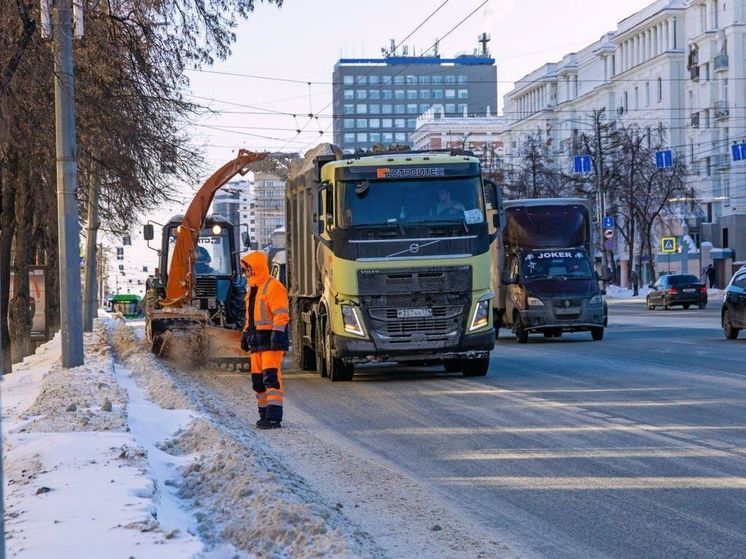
[77, 481]
[242, 493]
[623, 294]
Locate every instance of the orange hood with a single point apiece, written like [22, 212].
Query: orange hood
[258, 262]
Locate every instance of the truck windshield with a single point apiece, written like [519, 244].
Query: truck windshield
[387, 202]
[543, 265]
[213, 255]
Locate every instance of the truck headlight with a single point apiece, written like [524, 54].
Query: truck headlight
[481, 315]
[534, 302]
[595, 300]
[351, 320]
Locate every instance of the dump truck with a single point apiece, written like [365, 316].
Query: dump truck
[543, 271]
[197, 291]
[387, 260]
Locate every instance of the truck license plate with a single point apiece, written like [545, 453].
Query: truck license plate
[414, 313]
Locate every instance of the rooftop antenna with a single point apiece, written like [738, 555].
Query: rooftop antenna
[436, 46]
[405, 50]
[392, 47]
[484, 38]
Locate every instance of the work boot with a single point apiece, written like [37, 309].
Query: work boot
[268, 424]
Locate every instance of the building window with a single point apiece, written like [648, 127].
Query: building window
[374, 109]
[361, 80]
[362, 109]
[660, 89]
[625, 103]
[361, 123]
[424, 80]
[438, 94]
[399, 123]
[387, 123]
[127, 240]
[374, 123]
[450, 93]
[362, 137]
[399, 94]
[361, 94]
[374, 94]
[349, 123]
[387, 109]
[398, 80]
[463, 93]
[411, 80]
[437, 79]
[438, 108]
[387, 94]
[145, 269]
[637, 98]
[349, 94]
[647, 94]
[424, 107]
[462, 108]
[386, 80]
[375, 137]
[450, 79]
[463, 79]
[412, 109]
[401, 137]
[120, 253]
[348, 80]
[412, 123]
[424, 94]
[412, 94]
[387, 137]
[374, 80]
[349, 109]
[399, 109]
[450, 108]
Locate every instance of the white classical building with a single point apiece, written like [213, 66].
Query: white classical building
[675, 67]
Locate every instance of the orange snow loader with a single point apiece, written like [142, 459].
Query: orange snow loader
[194, 304]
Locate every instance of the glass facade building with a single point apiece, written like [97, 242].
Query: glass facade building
[377, 101]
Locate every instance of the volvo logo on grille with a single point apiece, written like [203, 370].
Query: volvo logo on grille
[567, 304]
[414, 248]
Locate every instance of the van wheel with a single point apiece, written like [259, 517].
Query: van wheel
[521, 335]
[702, 306]
[686, 306]
[475, 367]
[730, 331]
[336, 368]
[597, 334]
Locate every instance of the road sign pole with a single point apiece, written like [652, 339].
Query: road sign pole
[67, 179]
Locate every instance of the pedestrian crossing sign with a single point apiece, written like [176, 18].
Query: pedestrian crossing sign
[668, 245]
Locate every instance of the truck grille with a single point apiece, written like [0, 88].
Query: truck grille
[444, 291]
[205, 287]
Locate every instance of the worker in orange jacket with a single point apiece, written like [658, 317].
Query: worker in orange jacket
[265, 335]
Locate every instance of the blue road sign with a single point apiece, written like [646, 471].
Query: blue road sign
[664, 159]
[739, 152]
[608, 222]
[668, 244]
[583, 164]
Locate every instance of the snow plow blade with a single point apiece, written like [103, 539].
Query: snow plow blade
[187, 337]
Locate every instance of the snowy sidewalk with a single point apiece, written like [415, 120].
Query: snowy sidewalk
[108, 460]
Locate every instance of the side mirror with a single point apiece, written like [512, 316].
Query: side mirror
[245, 240]
[147, 232]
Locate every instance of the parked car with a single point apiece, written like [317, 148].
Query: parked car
[733, 313]
[677, 290]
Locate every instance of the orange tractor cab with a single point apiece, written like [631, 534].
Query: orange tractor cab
[198, 293]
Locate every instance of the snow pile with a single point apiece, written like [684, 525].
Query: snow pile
[243, 494]
[616, 292]
[77, 482]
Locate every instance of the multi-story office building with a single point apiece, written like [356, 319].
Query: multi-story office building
[677, 67]
[268, 207]
[378, 100]
[234, 202]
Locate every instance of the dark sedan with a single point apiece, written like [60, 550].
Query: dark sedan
[677, 290]
[733, 313]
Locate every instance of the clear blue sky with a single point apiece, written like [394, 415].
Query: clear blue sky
[303, 39]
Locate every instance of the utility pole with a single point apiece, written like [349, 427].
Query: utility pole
[67, 177]
[90, 300]
[600, 189]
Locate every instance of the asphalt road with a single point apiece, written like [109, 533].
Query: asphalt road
[634, 446]
[630, 447]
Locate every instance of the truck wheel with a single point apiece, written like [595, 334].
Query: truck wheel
[597, 334]
[521, 335]
[336, 368]
[475, 367]
[318, 345]
[304, 357]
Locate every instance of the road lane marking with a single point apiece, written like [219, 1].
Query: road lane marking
[441, 431]
[541, 454]
[583, 483]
